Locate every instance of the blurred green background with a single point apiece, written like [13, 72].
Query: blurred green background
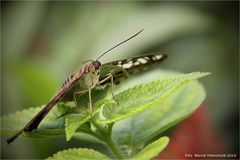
[43, 42]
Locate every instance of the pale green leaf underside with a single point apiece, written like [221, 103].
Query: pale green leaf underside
[79, 154]
[139, 98]
[152, 150]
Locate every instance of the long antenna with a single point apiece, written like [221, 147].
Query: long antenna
[120, 44]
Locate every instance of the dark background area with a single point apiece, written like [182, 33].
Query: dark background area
[43, 42]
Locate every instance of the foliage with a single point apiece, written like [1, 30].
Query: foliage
[81, 154]
[145, 111]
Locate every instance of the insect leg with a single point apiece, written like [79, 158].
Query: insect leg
[75, 101]
[111, 85]
[90, 102]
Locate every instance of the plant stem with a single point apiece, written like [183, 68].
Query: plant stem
[114, 148]
[107, 138]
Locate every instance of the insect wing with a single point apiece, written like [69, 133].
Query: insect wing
[139, 62]
[121, 68]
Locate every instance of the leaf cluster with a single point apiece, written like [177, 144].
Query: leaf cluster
[144, 111]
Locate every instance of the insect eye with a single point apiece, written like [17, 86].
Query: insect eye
[96, 64]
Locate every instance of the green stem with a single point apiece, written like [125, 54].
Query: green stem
[114, 148]
[107, 138]
[94, 134]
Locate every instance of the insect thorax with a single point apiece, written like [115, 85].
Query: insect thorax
[89, 80]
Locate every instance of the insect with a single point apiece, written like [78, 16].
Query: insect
[90, 75]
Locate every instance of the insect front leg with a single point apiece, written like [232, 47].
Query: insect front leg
[110, 76]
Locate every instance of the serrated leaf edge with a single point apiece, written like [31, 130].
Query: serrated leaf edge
[178, 86]
[54, 156]
[68, 134]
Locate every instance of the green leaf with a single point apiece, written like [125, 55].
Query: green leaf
[73, 122]
[152, 150]
[79, 154]
[139, 129]
[53, 124]
[139, 98]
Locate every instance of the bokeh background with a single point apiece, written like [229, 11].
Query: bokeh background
[43, 42]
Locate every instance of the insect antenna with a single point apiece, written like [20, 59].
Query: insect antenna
[119, 44]
[86, 61]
